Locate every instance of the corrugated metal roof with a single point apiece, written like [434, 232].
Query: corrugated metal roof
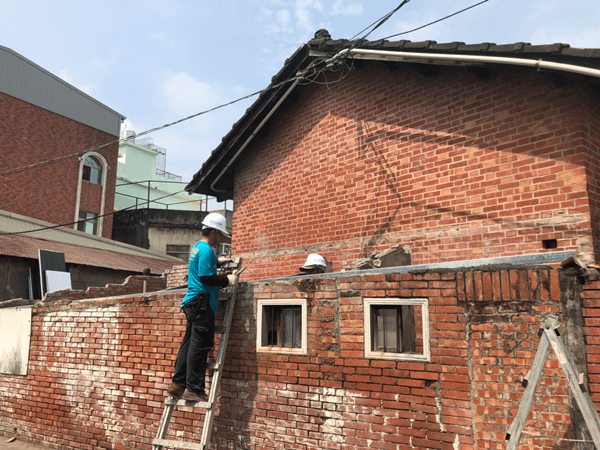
[25, 80]
[27, 247]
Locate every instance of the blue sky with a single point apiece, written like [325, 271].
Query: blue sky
[157, 62]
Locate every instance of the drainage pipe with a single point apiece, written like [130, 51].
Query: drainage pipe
[407, 56]
[254, 133]
[388, 55]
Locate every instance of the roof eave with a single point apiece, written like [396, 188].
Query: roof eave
[203, 182]
[215, 178]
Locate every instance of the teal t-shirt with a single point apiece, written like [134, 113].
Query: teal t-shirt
[203, 262]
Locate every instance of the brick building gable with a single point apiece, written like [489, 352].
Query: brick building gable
[449, 162]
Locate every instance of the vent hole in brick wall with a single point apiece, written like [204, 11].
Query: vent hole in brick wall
[549, 243]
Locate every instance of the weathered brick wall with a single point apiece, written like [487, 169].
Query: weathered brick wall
[591, 320]
[99, 368]
[28, 135]
[177, 276]
[449, 167]
[133, 284]
[96, 374]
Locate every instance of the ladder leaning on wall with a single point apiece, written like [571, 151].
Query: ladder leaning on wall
[210, 406]
[550, 336]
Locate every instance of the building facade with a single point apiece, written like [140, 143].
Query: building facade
[143, 182]
[59, 148]
[450, 151]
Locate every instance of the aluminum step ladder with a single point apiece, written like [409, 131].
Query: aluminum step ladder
[550, 335]
[160, 441]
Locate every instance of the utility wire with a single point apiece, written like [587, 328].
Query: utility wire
[300, 75]
[87, 220]
[152, 130]
[303, 75]
[436, 21]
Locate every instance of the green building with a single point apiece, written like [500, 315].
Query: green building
[143, 182]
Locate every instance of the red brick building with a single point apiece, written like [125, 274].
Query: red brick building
[451, 151]
[98, 367]
[59, 148]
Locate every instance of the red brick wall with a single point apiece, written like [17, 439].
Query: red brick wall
[591, 316]
[91, 197]
[449, 167]
[177, 276]
[28, 135]
[132, 285]
[99, 368]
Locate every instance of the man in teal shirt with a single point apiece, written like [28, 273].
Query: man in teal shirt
[200, 307]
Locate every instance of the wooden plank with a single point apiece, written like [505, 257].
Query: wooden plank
[584, 402]
[164, 425]
[216, 378]
[515, 431]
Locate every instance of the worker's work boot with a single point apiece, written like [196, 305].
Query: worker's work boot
[175, 391]
[194, 396]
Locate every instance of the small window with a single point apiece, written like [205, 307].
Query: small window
[282, 326]
[88, 222]
[92, 170]
[178, 251]
[397, 329]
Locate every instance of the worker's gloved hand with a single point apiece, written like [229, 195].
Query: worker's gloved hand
[232, 279]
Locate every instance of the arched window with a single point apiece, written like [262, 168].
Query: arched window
[92, 170]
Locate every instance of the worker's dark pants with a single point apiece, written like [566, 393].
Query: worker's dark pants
[199, 338]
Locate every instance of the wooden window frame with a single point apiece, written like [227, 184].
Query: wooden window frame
[92, 172]
[262, 327]
[85, 219]
[405, 303]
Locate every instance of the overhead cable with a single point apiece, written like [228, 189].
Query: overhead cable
[436, 21]
[87, 220]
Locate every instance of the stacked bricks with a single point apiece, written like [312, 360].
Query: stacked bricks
[449, 167]
[98, 368]
[177, 276]
[591, 317]
[30, 135]
[132, 285]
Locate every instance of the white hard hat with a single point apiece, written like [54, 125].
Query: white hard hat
[216, 221]
[314, 260]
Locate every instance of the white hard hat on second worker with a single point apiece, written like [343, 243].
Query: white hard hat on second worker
[216, 221]
[312, 260]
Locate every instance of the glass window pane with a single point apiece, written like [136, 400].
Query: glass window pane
[92, 170]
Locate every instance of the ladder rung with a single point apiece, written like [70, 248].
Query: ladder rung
[213, 366]
[177, 444]
[182, 402]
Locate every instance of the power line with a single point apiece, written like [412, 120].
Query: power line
[152, 130]
[87, 220]
[302, 75]
[378, 23]
[436, 21]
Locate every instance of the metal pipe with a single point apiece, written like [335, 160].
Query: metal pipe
[537, 63]
[256, 130]
[402, 56]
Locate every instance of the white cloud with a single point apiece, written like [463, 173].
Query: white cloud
[187, 95]
[303, 13]
[66, 76]
[584, 38]
[278, 21]
[342, 8]
[87, 88]
[162, 38]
